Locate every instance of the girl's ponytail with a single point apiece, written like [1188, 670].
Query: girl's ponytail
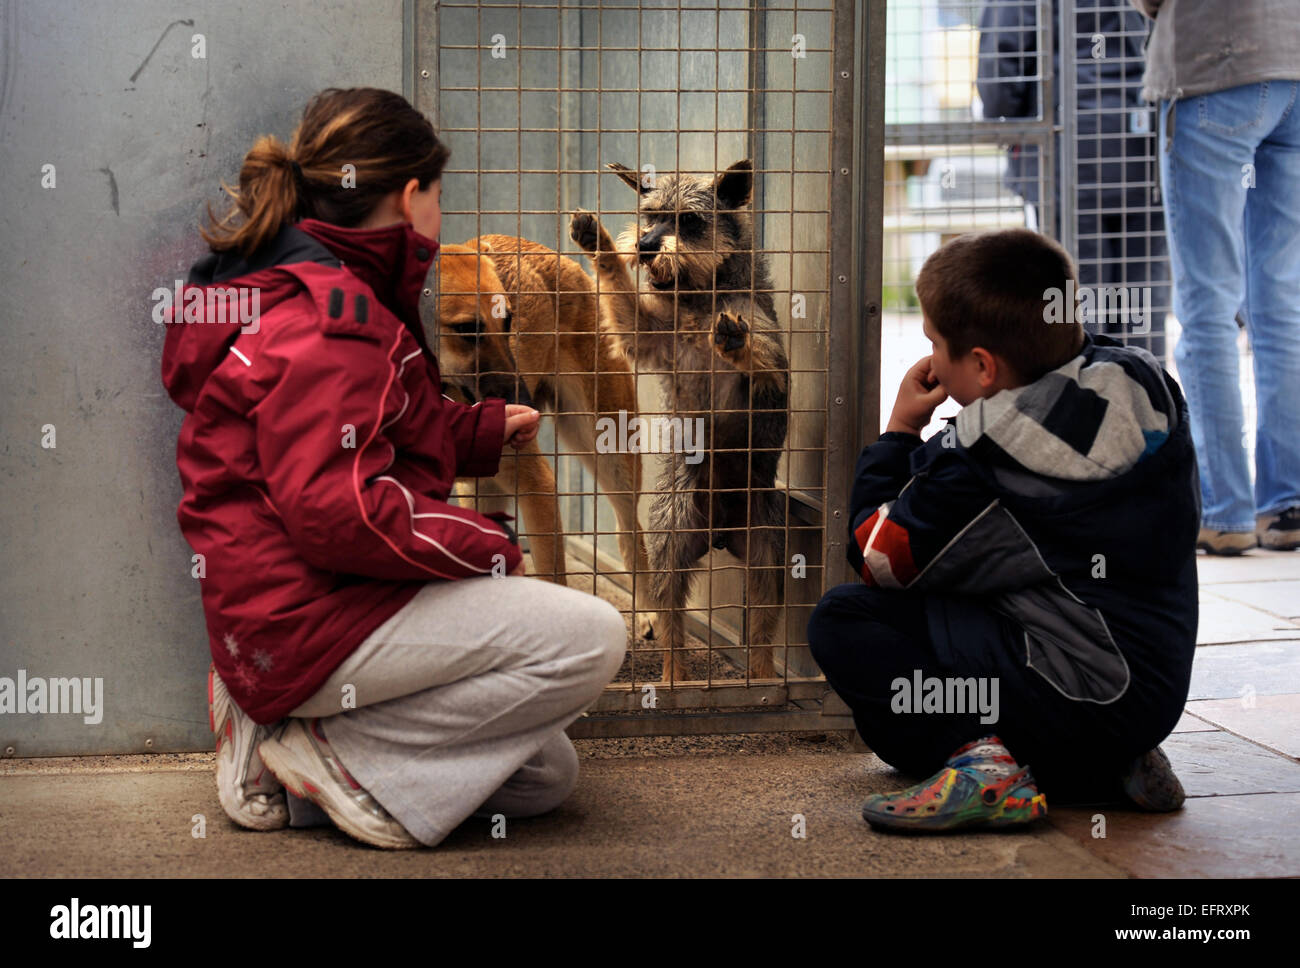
[269, 194]
[351, 148]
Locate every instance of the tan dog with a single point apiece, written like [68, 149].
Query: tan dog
[516, 320]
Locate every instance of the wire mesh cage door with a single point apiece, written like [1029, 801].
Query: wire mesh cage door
[1112, 221]
[647, 235]
[968, 146]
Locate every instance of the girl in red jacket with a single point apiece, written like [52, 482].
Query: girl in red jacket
[376, 650]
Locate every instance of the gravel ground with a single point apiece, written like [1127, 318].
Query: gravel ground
[736, 743]
[591, 749]
[645, 657]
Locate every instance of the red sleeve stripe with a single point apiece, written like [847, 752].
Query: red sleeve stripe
[886, 551]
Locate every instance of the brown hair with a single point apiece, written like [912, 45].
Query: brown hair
[377, 132]
[987, 289]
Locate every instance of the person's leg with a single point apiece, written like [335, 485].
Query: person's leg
[1115, 272]
[462, 689]
[1203, 165]
[864, 639]
[1088, 264]
[540, 785]
[1272, 226]
[870, 642]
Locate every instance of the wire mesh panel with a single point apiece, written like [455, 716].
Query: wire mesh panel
[983, 132]
[637, 240]
[965, 139]
[1115, 226]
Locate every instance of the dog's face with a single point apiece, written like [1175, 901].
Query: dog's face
[471, 330]
[688, 225]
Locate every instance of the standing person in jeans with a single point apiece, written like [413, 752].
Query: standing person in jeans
[1227, 77]
[376, 651]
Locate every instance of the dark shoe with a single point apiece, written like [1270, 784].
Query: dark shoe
[1226, 542]
[1151, 784]
[1281, 532]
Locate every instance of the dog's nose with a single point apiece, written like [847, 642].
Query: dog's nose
[650, 242]
[508, 386]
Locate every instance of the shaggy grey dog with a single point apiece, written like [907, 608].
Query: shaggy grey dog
[703, 316]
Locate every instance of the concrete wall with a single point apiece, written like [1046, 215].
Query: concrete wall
[94, 574]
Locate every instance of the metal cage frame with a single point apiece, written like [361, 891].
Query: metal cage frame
[793, 702]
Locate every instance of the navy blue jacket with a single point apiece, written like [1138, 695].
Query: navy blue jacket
[1069, 505]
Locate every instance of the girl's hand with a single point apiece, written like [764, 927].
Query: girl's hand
[521, 569]
[521, 425]
[918, 396]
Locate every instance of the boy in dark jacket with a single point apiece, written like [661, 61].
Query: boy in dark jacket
[1029, 593]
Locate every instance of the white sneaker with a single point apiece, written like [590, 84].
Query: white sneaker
[302, 759]
[249, 793]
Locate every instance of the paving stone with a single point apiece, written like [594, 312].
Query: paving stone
[1280, 598]
[1239, 836]
[1254, 566]
[1190, 724]
[1222, 621]
[1272, 721]
[1220, 764]
[1224, 671]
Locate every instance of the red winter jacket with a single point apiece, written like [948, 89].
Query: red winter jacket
[318, 452]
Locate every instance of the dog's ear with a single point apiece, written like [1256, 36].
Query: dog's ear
[735, 185]
[632, 179]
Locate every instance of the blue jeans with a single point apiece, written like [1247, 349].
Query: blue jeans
[1231, 174]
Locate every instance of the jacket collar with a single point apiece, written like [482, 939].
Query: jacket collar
[392, 260]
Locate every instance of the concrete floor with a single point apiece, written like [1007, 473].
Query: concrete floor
[725, 806]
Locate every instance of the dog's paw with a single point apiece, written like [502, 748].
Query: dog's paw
[731, 337]
[645, 625]
[586, 230]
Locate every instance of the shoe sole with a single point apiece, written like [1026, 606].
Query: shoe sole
[289, 769]
[1279, 544]
[1225, 548]
[997, 815]
[919, 826]
[1225, 552]
[232, 803]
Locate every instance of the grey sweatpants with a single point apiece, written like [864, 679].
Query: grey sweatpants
[457, 704]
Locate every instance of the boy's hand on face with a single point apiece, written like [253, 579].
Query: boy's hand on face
[521, 425]
[918, 396]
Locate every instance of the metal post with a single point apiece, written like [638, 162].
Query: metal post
[1067, 123]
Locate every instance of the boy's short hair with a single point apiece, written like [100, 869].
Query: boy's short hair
[986, 289]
